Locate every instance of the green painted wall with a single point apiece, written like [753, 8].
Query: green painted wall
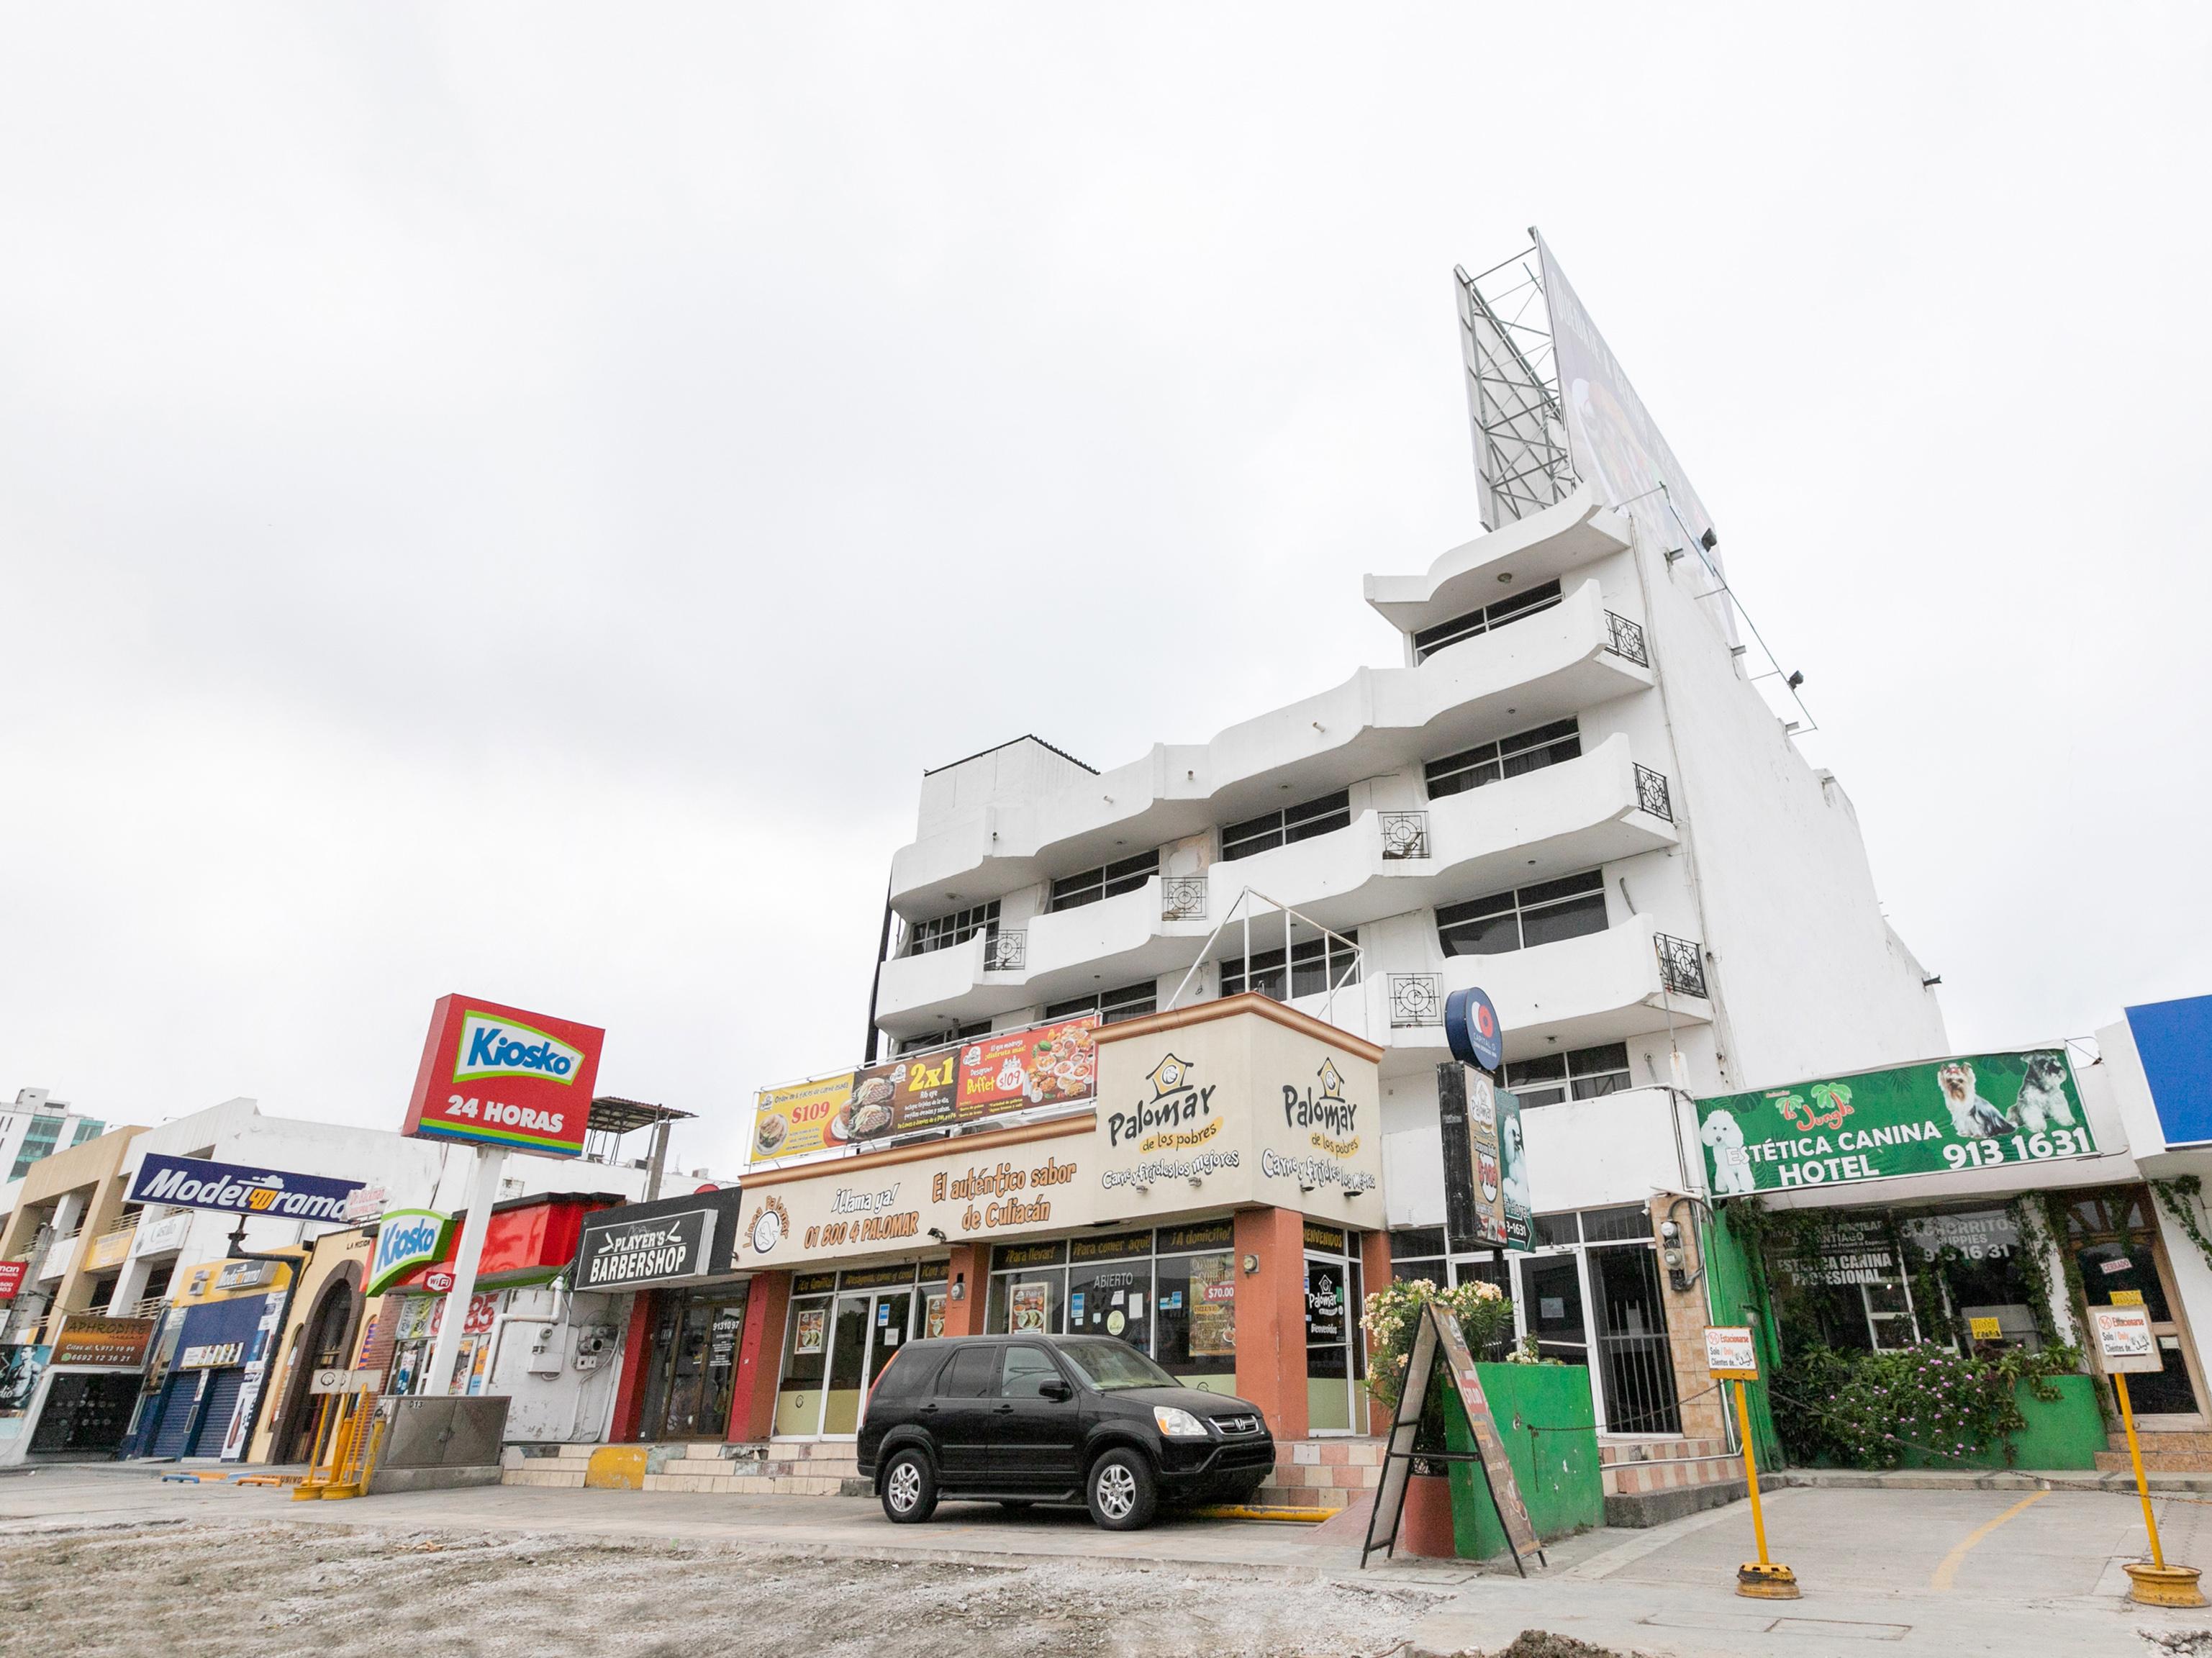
[1556, 1465]
[2066, 1432]
[1735, 1293]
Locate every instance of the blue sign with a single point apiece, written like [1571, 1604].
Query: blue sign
[197, 1183]
[2174, 1042]
[1471, 1027]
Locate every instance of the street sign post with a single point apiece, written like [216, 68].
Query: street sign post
[2126, 1345]
[1732, 1356]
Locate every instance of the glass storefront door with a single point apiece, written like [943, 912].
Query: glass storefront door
[848, 1358]
[1552, 1305]
[2113, 1237]
[689, 1389]
[1329, 1352]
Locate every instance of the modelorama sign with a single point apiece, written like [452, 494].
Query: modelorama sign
[499, 1076]
[1241, 1103]
[1978, 1111]
[235, 1188]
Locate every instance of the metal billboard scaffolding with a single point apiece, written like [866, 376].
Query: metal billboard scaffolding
[1513, 390]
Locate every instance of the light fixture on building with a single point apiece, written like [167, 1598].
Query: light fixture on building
[1796, 679]
[1251, 1264]
[960, 1286]
[1708, 540]
[1198, 1180]
[937, 1233]
[1505, 578]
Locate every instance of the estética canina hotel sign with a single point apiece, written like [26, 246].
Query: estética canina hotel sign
[1231, 1104]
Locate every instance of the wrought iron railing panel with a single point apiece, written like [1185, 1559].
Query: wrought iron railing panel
[1416, 999]
[1652, 795]
[1182, 897]
[1624, 638]
[1006, 951]
[1681, 964]
[1404, 834]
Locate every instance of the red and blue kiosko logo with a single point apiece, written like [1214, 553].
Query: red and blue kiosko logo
[500, 1076]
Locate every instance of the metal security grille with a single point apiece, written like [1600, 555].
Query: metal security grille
[1681, 964]
[1404, 834]
[1416, 999]
[1635, 1363]
[1624, 638]
[1652, 795]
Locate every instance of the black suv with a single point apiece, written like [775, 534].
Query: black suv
[1029, 1418]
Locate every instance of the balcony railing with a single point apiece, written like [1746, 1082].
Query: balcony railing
[1681, 965]
[1651, 793]
[1404, 834]
[1416, 999]
[149, 1307]
[1006, 951]
[1182, 897]
[1624, 638]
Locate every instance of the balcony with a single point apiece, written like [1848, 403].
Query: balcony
[60, 1252]
[1556, 821]
[1543, 667]
[1629, 980]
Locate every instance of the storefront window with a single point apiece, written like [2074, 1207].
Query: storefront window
[1109, 1287]
[1028, 1289]
[805, 1355]
[2113, 1238]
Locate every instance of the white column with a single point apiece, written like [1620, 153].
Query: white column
[483, 1192]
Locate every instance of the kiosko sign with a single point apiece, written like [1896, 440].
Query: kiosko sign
[499, 1076]
[235, 1188]
[618, 1253]
[407, 1238]
[1978, 1111]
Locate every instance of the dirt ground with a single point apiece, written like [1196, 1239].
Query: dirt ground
[179, 1589]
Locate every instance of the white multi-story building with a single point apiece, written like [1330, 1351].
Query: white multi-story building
[1568, 792]
[38, 1125]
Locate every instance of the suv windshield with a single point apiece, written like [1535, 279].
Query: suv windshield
[1108, 1365]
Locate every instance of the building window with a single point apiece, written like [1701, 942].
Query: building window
[39, 1137]
[1583, 1074]
[1277, 828]
[1112, 1007]
[1444, 634]
[1528, 750]
[1521, 920]
[86, 1129]
[957, 928]
[1108, 881]
[1313, 966]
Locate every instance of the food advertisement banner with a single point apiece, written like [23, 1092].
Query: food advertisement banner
[1045, 1065]
[1976, 1111]
[1052, 1064]
[792, 1121]
[1486, 1162]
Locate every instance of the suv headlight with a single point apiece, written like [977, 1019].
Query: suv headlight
[1178, 1424]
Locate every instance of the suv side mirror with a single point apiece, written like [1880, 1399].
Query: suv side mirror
[1059, 1392]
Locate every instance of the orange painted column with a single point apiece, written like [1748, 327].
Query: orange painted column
[969, 1268]
[1374, 1274]
[1271, 1318]
[630, 1391]
[760, 1359]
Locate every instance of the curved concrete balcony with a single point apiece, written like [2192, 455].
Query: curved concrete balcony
[1557, 821]
[1602, 987]
[1543, 667]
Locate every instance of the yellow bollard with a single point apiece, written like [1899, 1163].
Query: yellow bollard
[1762, 1579]
[2156, 1584]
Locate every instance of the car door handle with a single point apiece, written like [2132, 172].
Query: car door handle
[1006, 1410]
[929, 1409]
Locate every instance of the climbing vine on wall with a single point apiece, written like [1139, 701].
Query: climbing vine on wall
[2180, 1198]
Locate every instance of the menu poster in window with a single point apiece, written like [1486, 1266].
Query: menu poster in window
[1212, 1306]
[933, 1315]
[1015, 1070]
[808, 1338]
[1027, 1303]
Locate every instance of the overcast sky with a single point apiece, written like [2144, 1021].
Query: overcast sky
[511, 499]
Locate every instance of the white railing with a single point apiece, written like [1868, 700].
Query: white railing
[1242, 910]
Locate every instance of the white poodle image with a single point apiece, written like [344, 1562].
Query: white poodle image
[1973, 1117]
[1731, 1163]
[1515, 1156]
[2043, 1104]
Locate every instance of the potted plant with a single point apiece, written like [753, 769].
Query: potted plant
[1392, 1314]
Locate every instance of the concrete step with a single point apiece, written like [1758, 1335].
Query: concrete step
[2186, 1440]
[2158, 1461]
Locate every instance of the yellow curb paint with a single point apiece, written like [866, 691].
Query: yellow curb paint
[1288, 1517]
[616, 1468]
[1948, 1569]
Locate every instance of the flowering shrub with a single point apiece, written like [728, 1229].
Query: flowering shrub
[1871, 1410]
[1485, 1318]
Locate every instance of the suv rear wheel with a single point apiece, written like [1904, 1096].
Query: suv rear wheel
[909, 1489]
[1122, 1494]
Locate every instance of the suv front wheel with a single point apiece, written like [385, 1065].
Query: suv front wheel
[909, 1489]
[1122, 1494]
